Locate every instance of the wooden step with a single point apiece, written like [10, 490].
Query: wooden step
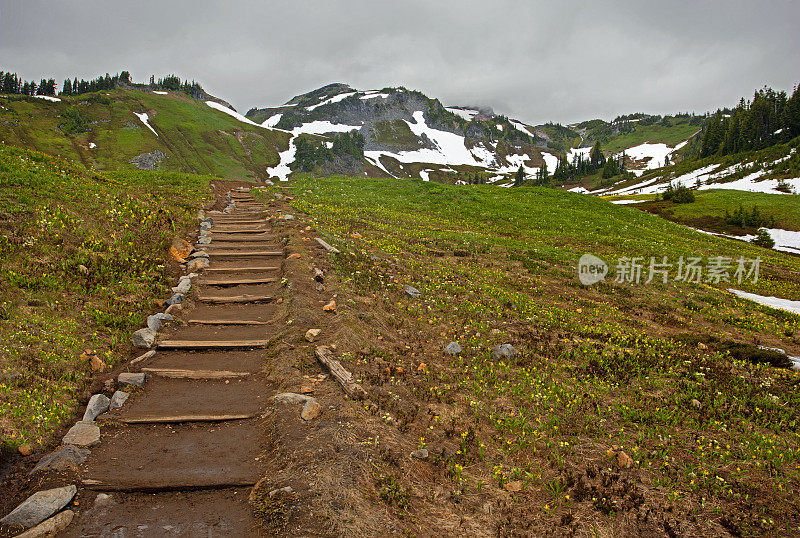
[257, 269]
[222, 238]
[246, 298]
[237, 281]
[228, 253]
[262, 244]
[211, 344]
[173, 419]
[177, 373]
[242, 230]
[226, 322]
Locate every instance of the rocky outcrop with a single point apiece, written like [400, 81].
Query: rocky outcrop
[148, 161]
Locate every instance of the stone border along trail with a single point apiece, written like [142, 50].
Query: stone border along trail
[180, 457]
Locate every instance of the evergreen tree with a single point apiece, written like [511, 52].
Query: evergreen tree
[519, 177]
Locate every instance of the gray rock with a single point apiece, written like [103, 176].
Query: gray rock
[288, 217]
[176, 298]
[118, 399]
[83, 434]
[157, 320]
[144, 337]
[453, 348]
[184, 285]
[268, 182]
[204, 241]
[66, 458]
[411, 291]
[504, 351]
[98, 404]
[201, 215]
[40, 506]
[128, 378]
[421, 454]
[292, 398]
[198, 254]
[153, 323]
[205, 226]
[148, 161]
[50, 527]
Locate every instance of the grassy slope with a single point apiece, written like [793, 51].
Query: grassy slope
[599, 367]
[195, 137]
[55, 216]
[709, 208]
[672, 136]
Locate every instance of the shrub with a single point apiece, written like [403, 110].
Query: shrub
[763, 239]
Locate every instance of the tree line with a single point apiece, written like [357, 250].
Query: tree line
[12, 83]
[310, 153]
[771, 117]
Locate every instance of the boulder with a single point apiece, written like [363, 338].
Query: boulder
[144, 337]
[83, 434]
[453, 348]
[40, 506]
[66, 458]
[504, 351]
[118, 399]
[184, 285]
[98, 404]
[198, 254]
[176, 298]
[128, 378]
[50, 527]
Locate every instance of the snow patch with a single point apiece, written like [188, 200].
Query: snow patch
[92, 145]
[373, 96]
[48, 98]
[334, 99]
[143, 116]
[160, 93]
[774, 302]
[231, 112]
[320, 127]
[272, 121]
[424, 175]
[282, 170]
[465, 113]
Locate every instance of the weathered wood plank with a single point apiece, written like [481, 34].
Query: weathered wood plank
[345, 378]
[246, 298]
[208, 344]
[177, 373]
[327, 246]
[226, 322]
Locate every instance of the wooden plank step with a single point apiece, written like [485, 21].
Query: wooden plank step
[174, 419]
[246, 298]
[178, 373]
[242, 230]
[226, 322]
[227, 253]
[237, 281]
[256, 269]
[211, 344]
[243, 238]
[263, 244]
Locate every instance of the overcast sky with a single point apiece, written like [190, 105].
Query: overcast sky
[536, 61]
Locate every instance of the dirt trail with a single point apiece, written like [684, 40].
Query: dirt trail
[181, 456]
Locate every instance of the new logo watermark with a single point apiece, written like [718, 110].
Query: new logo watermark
[591, 269]
[637, 270]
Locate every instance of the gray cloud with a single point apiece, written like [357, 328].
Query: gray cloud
[535, 61]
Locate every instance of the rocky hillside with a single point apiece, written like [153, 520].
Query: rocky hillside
[408, 134]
